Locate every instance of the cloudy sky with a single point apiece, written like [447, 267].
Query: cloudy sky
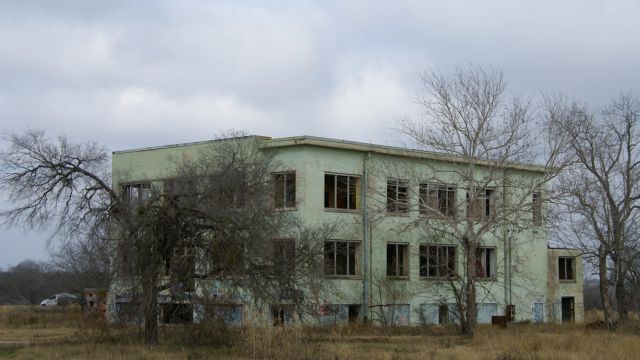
[140, 73]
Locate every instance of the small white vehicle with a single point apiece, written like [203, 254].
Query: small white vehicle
[59, 299]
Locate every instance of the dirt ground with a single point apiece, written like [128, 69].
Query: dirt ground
[33, 333]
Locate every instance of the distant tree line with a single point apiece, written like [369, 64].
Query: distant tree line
[29, 282]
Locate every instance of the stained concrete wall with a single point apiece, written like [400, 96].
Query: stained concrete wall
[522, 274]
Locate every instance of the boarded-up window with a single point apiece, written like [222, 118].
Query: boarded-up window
[284, 195]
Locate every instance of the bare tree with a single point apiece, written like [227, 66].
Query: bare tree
[468, 116]
[209, 222]
[211, 225]
[598, 197]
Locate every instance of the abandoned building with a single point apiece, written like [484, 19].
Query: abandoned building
[519, 275]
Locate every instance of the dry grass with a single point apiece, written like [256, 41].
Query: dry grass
[28, 333]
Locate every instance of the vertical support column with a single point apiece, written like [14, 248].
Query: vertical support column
[365, 241]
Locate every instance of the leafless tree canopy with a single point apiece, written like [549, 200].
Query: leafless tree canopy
[468, 115]
[597, 197]
[55, 183]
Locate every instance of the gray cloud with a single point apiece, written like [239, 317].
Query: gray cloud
[132, 74]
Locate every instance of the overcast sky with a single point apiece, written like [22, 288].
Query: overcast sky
[141, 73]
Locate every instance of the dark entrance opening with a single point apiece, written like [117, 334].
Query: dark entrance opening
[568, 314]
[354, 312]
[173, 313]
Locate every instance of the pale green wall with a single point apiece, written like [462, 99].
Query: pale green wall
[529, 257]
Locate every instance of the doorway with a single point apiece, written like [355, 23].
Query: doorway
[568, 314]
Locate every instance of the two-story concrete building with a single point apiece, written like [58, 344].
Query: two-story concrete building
[385, 263]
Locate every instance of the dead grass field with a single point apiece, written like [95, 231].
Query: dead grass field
[32, 333]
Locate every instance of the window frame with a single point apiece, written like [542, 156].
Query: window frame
[394, 205]
[356, 258]
[281, 266]
[452, 273]
[357, 192]
[486, 196]
[141, 198]
[285, 201]
[424, 199]
[573, 268]
[493, 263]
[405, 265]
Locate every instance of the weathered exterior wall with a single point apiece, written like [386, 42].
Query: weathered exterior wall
[528, 262]
[557, 289]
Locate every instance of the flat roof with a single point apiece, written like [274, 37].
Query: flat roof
[268, 143]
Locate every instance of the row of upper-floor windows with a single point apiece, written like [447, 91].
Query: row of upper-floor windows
[344, 192]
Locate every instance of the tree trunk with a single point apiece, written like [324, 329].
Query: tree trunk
[621, 294]
[150, 302]
[469, 325]
[604, 291]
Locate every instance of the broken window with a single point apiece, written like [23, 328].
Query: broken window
[136, 194]
[180, 188]
[397, 260]
[341, 192]
[485, 263]
[536, 209]
[177, 313]
[341, 258]
[227, 256]
[397, 196]
[437, 261]
[437, 199]
[182, 266]
[284, 195]
[483, 206]
[566, 268]
[282, 314]
[443, 314]
[284, 254]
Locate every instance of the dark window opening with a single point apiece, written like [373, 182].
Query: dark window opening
[341, 192]
[282, 314]
[284, 190]
[136, 194]
[340, 258]
[443, 314]
[437, 261]
[284, 256]
[177, 313]
[566, 268]
[485, 263]
[354, 312]
[397, 260]
[483, 205]
[437, 199]
[398, 196]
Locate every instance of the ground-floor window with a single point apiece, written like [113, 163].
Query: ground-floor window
[175, 313]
